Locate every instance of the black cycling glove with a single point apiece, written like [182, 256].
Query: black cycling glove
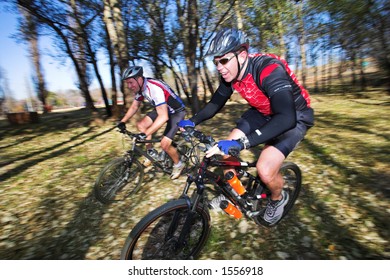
[121, 126]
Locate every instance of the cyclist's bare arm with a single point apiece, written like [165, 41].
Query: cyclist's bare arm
[131, 111]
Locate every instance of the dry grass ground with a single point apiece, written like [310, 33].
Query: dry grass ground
[48, 211]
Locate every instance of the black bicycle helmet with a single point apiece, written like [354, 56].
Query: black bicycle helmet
[132, 72]
[227, 40]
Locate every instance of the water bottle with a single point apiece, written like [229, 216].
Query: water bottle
[230, 209]
[235, 182]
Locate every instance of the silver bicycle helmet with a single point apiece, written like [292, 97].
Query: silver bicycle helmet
[132, 71]
[227, 40]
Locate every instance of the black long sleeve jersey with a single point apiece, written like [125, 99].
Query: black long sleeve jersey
[268, 85]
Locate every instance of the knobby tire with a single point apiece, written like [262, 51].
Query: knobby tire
[156, 235]
[117, 180]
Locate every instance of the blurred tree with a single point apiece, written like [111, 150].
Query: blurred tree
[270, 22]
[173, 34]
[117, 46]
[7, 101]
[3, 90]
[54, 15]
[83, 14]
[28, 26]
[171, 37]
[370, 22]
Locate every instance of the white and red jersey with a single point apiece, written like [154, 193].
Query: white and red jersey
[157, 92]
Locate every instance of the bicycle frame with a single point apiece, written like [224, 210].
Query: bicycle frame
[203, 173]
[176, 220]
[140, 152]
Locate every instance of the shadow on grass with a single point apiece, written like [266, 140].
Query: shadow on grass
[79, 234]
[47, 149]
[20, 141]
[83, 229]
[368, 178]
[51, 122]
[341, 122]
[330, 230]
[73, 242]
[15, 171]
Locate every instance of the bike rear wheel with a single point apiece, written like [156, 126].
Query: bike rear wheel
[292, 185]
[157, 235]
[118, 180]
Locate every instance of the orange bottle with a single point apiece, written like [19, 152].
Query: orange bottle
[235, 182]
[230, 209]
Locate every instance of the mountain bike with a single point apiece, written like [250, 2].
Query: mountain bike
[123, 176]
[179, 228]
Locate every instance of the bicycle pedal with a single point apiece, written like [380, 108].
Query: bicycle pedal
[252, 214]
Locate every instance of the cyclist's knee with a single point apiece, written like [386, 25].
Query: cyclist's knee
[265, 175]
[165, 143]
[267, 172]
[144, 124]
[141, 127]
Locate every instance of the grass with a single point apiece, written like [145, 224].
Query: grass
[48, 211]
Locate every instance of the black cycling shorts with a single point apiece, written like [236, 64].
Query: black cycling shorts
[171, 128]
[252, 119]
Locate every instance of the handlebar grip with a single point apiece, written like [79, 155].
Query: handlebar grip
[234, 152]
[190, 131]
[124, 131]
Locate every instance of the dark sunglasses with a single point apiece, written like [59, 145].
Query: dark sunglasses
[223, 61]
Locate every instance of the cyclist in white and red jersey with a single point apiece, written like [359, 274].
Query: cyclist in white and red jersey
[168, 108]
[280, 112]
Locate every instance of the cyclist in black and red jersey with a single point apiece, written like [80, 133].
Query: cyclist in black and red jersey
[168, 108]
[280, 112]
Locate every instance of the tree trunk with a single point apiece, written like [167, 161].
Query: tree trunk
[353, 70]
[323, 71]
[31, 34]
[363, 81]
[116, 29]
[114, 92]
[330, 70]
[237, 9]
[190, 39]
[301, 42]
[208, 82]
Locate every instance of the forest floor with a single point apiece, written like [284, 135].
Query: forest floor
[48, 169]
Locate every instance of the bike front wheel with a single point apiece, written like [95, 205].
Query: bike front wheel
[118, 180]
[172, 232]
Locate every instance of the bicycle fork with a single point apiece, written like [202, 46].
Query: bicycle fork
[189, 218]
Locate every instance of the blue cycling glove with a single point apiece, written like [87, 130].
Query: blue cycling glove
[231, 147]
[185, 123]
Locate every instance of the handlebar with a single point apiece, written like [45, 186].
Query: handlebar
[140, 137]
[208, 140]
[191, 132]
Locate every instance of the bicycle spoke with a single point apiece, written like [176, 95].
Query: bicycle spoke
[160, 238]
[118, 180]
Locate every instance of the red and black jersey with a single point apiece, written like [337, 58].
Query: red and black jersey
[266, 75]
[268, 85]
